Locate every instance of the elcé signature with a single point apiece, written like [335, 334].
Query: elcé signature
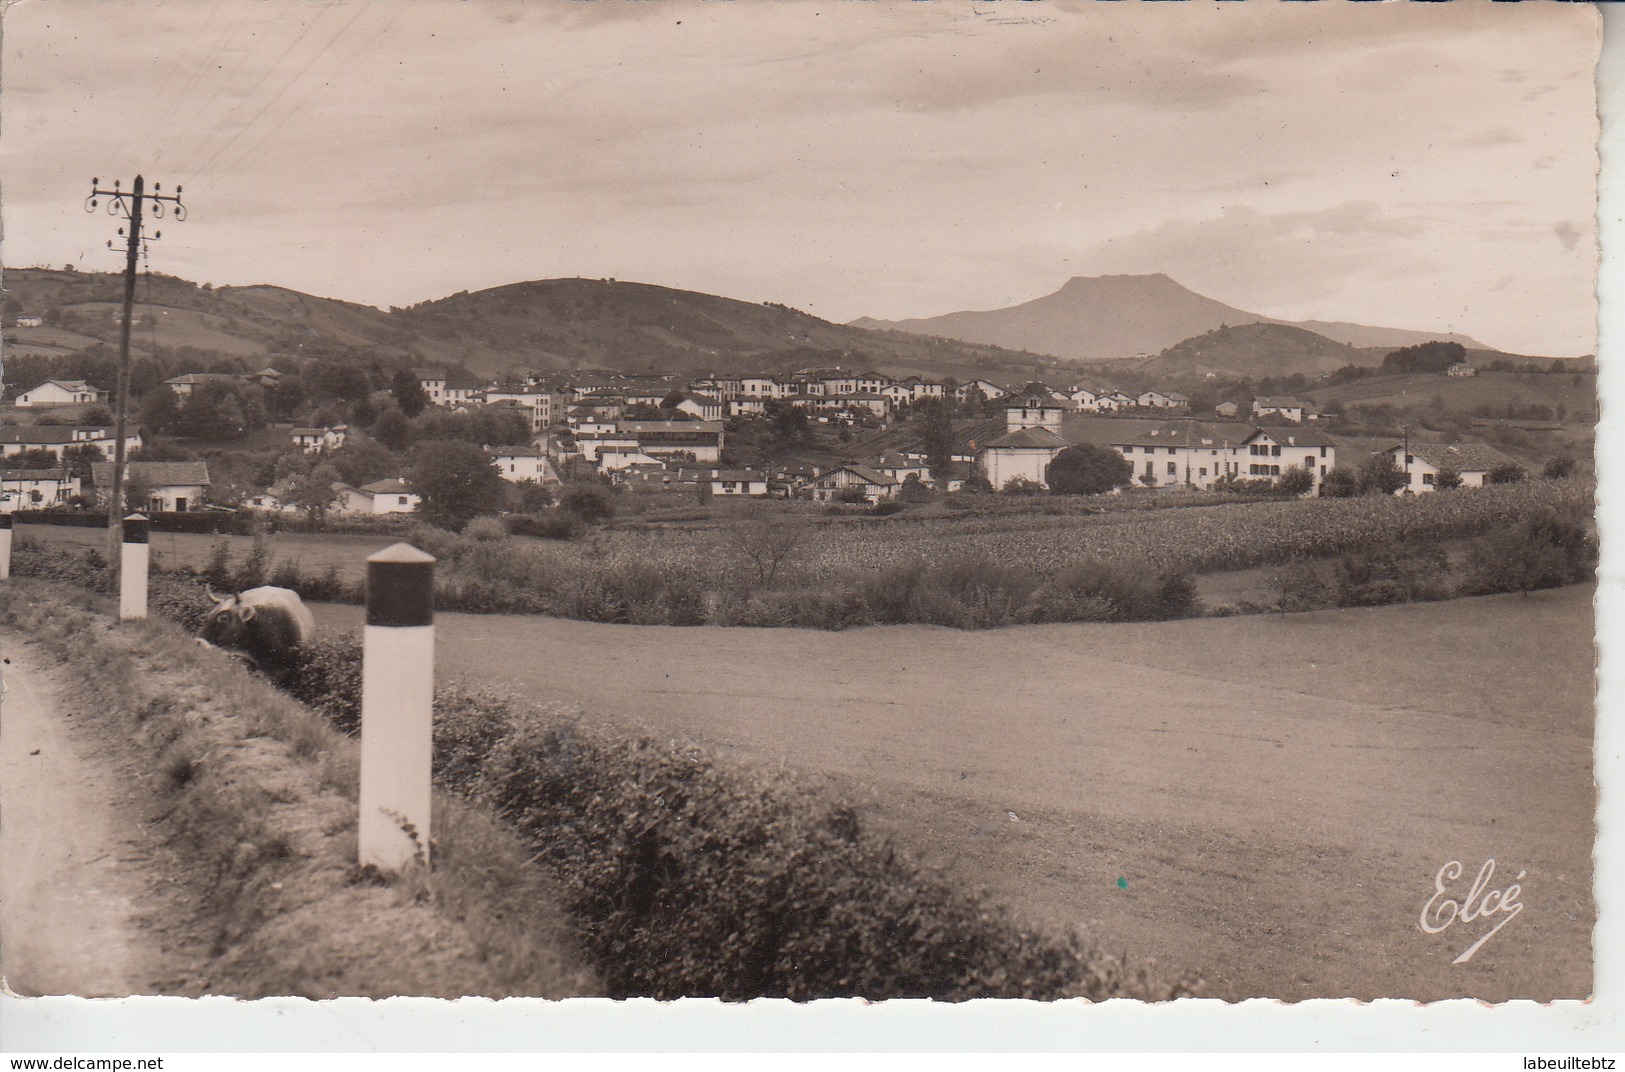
[1481, 902]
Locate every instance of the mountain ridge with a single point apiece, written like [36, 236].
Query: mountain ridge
[1117, 317]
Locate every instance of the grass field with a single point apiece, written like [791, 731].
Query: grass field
[1265, 800]
[314, 552]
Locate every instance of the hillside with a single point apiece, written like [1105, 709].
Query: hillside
[1494, 390]
[1124, 316]
[1256, 350]
[546, 325]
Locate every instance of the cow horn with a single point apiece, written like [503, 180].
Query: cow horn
[216, 596]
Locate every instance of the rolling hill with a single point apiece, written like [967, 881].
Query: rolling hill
[1256, 350]
[544, 325]
[1093, 318]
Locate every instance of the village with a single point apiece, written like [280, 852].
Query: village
[640, 434]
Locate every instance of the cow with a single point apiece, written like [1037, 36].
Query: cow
[262, 626]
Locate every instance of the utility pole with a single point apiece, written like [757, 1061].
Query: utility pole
[128, 204]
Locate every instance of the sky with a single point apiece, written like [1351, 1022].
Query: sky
[1428, 166]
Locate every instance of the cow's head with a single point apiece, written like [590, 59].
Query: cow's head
[226, 623]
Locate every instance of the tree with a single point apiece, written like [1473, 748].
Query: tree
[1510, 473]
[393, 430]
[1340, 483]
[1088, 469]
[1020, 485]
[789, 425]
[1446, 480]
[1380, 476]
[457, 481]
[1297, 480]
[587, 502]
[528, 496]
[408, 392]
[311, 491]
[36, 458]
[937, 430]
[1559, 467]
[766, 537]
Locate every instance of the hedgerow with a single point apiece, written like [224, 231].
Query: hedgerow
[689, 878]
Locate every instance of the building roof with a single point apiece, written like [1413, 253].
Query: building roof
[1294, 437]
[389, 486]
[34, 474]
[66, 385]
[743, 476]
[1191, 434]
[687, 427]
[862, 471]
[1462, 457]
[314, 431]
[516, 452]
[1029, 437]
[195, 378]
[429, 373]
[1280, 402]
[55, 433]
[155, 474]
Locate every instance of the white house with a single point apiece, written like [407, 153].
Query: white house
[389, 496]
[900, 467]
[733, 482]
[1025, 453]
[1161, 400]
[981, 390]
[700, 441]
[433, 382]
[701, 408]
[183, 386]
[1272, 451]
[1288, 408]
[29, 322]
[1113, 401]
[1033, 412]
[58, 438]
[1183, 454]
[842, 480]
[1423, 462]
[174, 487]
[311, 440]
[60, 393]
[525, 463]
[1083, 398]
[1461, 368]
[35, 489]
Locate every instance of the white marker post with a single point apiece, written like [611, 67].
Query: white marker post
[134, 556]
[397, 701]
[5, 547]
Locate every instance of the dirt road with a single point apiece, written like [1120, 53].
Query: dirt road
[1266, 799]
[83, 904]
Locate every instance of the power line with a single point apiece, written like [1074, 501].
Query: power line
[400, 9]
[221, 88]
[160, 119]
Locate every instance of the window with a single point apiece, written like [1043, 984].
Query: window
[1309, 462]
[400, 500]
[1427, 478]
[1322, 452]
[1275, 451]
[1170, 450]
[1173, 469]
[1202, 471]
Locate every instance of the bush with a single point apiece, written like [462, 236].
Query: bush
[689, 879]
[485, 529]
[587, 503]
[1511, 473]
[1113, 592]
[329, 679]
[444, 545]
[887, 507]
[1392, 573]
[1300, 586]
[1559, 467]
[1544, 552]
[1020, 485]
[1298, 480]
[551, 526]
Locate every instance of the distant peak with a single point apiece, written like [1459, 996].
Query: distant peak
[1077, 281]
